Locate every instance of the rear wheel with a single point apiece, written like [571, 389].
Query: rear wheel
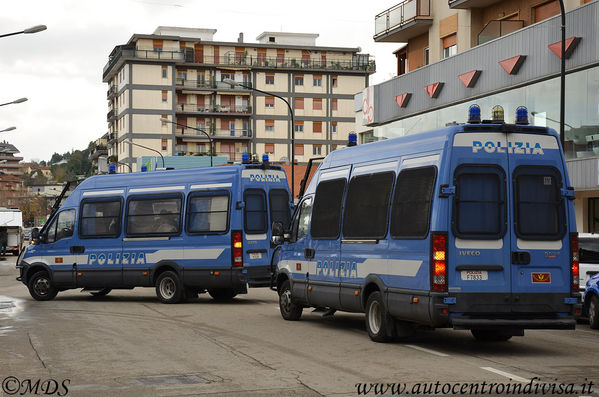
[222, 294]
[490, 335]
[102, 292]
[289, 310]
[379, 323]
[169, 288]
[41, 287]
[594, 312]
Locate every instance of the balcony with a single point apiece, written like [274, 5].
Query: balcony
[214, 109]
[112, 137]
[111, 115]
[496, 28]
[466, 4]
[97, 152]
[191, 135]
[123, 53]
[402, 22]
[111, 91]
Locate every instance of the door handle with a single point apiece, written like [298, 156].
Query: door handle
[77, 249]
[520, 258]
[309, 253]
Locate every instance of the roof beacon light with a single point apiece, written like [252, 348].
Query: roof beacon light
[521, 115]
[497, 114]
[144, 168]
[265, 158]
[245, 158]
[112, 169]
[474, 114]
[352, 139]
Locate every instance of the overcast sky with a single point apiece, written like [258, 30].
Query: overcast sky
[60, 69]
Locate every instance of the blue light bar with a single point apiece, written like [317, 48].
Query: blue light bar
[352, 139]
[245, 158]
[521, 115]
[144, 168]
[474, 114]
[265, 158]
[112, 169]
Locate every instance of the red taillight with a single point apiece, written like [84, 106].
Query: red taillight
[237, 248]
[439, 262]
[575, 264]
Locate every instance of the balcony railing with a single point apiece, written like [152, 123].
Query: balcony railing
[211, 85]
[110, 115]
[215, 133]
[496, 28]
[193, 108]
[400, 14]
[111, 91]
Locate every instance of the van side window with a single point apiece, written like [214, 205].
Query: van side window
[209, 212]
[154, 216]
[255, 211]
[62, 226]
[411, 209]
[100, 218]
[538, 205]
[303, 219]
[326, 215]
[479, 205]
[279, 207]
[367, 206]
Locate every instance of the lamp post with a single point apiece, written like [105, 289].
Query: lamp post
[233, 83]
[165, 120]
[562, 103]
[33, 29]
[8, 129]
[20, 100]
[555, 121]
[149, 148]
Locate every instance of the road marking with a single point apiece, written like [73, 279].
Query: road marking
[427, 350]
[506, 374]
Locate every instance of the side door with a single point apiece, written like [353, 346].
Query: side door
[100, 224]
[59, 239]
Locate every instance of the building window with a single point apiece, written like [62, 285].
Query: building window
[317, 104]
[334, 81]
[317, 81]
[270, 78]
[164, 144]
[299, 126]
[164, 71]
[333, 148]
[299, 103]
[164, 96]
[269, 125]
[334, 127]
[334, 104]
[317, 127]
[269, 148]
[317, 150]
[299, 150]
[299, 79]
[269, 102]
[450, 47]
[426, 56]
[157, 44]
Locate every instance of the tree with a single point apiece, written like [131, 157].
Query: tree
[34, 208]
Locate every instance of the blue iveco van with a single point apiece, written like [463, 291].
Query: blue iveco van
[182, 231]
[469, 226]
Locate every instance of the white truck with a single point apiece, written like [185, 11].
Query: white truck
[12, 220]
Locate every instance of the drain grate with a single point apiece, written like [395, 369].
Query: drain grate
[172, 380]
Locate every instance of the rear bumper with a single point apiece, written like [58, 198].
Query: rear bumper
[466, 322]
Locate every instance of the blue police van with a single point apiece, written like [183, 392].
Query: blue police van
[469, 226]
[181, 231]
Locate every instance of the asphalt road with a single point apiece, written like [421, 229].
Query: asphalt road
[128, 343]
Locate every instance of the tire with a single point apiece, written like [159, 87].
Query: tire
[100, 293]
[594, 312]
[379, 324]
[222, 294]
[289, 310]
[169, 288]
[490, 335]
[41, 287]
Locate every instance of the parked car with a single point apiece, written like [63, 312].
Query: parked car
[591, 301]
[588, 256]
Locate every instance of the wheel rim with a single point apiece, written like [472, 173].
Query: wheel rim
[374, 317]
[285, 301]
[41, 286]
[167, 288]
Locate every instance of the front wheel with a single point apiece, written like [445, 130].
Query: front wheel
[222, 294]
[594, 312]
[289, 310]
[379, 324]
[490, 335]
[41, 287]
[169, 288]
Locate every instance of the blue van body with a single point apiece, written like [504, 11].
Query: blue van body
[125, 230]
[468, 226]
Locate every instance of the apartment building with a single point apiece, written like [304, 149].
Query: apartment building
[180, 74]
[9, 163]
[493, 63]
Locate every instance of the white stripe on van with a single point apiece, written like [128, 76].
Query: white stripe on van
[539, 245]
[334, 174]
[376, 167]
[211, 186]
[466, 139]
[103, 192]
[479, 244]
[395, 267]
[255, 236]
[156, 189]
[178, 254]
[421, 160]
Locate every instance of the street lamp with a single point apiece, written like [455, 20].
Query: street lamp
[233, 83]
[33, 29]
[550, 119]
[165, 120]
[149, 148]
[8, 129]
[20, 100]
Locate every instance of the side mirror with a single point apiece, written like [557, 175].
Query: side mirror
[277, 232]
[35, 234]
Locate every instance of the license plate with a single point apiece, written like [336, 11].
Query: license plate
[475, 275]
[255, 255]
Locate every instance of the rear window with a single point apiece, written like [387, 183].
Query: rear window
[279, 207]
[538, 205]
[479, 205]
[154, 216]
[326, 214]
[588, 249]
[208, 212]
[255, 211]
[101, 218]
